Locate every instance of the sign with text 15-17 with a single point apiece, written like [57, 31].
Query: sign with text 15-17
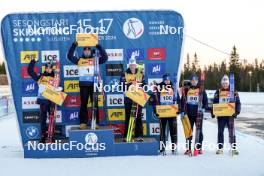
[153, 38]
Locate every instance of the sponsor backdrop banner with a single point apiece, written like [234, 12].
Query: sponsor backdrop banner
[154, 38]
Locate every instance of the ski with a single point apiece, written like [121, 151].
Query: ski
[53, 112]
[175, 97]
[131, 124]
[95, 93]
[231, 120]
[199, 118]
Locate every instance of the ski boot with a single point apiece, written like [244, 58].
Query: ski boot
[195, 152]
[234, 152]
[219, 152]
[200, 152]
[174, 152]
[163, 152]
[83, 126]
[139, 139]
[188, 152]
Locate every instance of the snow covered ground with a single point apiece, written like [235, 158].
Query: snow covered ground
[249, 162]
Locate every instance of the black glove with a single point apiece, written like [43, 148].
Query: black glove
[75, 44]
[98, 46]
[235, 115]
[212, 115]
[157, 115]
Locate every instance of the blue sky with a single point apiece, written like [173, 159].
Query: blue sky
[218, 23]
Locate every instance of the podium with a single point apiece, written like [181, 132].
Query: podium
[90, 143]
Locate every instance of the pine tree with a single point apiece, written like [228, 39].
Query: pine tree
[234, 67]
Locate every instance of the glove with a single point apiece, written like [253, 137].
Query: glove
[212, 115]
[157, 115]
[235, 115]
[182, 115]
[59, 89]
[98, 46]
[75, 44]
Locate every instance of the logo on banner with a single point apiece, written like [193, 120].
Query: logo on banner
[115, 100]
[115, 54]
[154, 129]
[30, 87]
[31, 117]
[91, 138]
[133, 28]
[32, 132]
[27, 56]
[114, 69]
[135, 53]
[71, 86]
[156, 69]
[72, 101]
[29, 103]
[116, 114]
[24, 72]
[156, 53]
[48, 56]
[70, 71]
[72, 116]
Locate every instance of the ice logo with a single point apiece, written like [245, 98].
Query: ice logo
[32, 132]
[133, 28]
[91, 138]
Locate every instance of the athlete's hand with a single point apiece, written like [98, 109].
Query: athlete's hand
[182, 115]
[75, 44]
[98, 46]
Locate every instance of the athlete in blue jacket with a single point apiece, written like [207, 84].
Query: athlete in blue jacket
[86, 67]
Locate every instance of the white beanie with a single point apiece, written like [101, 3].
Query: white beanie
[132, 61]
[225, 79]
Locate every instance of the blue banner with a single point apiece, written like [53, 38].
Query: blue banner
[153, 38]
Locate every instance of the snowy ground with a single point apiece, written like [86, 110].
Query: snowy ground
[249, 162]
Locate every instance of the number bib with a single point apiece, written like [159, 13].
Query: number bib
[193, 97]
[86, 69]
[224, 97]
[166, 97]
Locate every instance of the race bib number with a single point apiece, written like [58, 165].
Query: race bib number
[86, 70]
[166, 99]
[194, 100]
[224, 97]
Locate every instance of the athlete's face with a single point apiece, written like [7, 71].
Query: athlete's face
[194, 82]
[133, 67]
[225, 85]
[48, 70]
[87, 53]
[167, 81]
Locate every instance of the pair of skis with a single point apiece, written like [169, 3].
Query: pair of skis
[199, 119]
[96, 93]
[132, 120]
[53, 112]
[232, 136]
